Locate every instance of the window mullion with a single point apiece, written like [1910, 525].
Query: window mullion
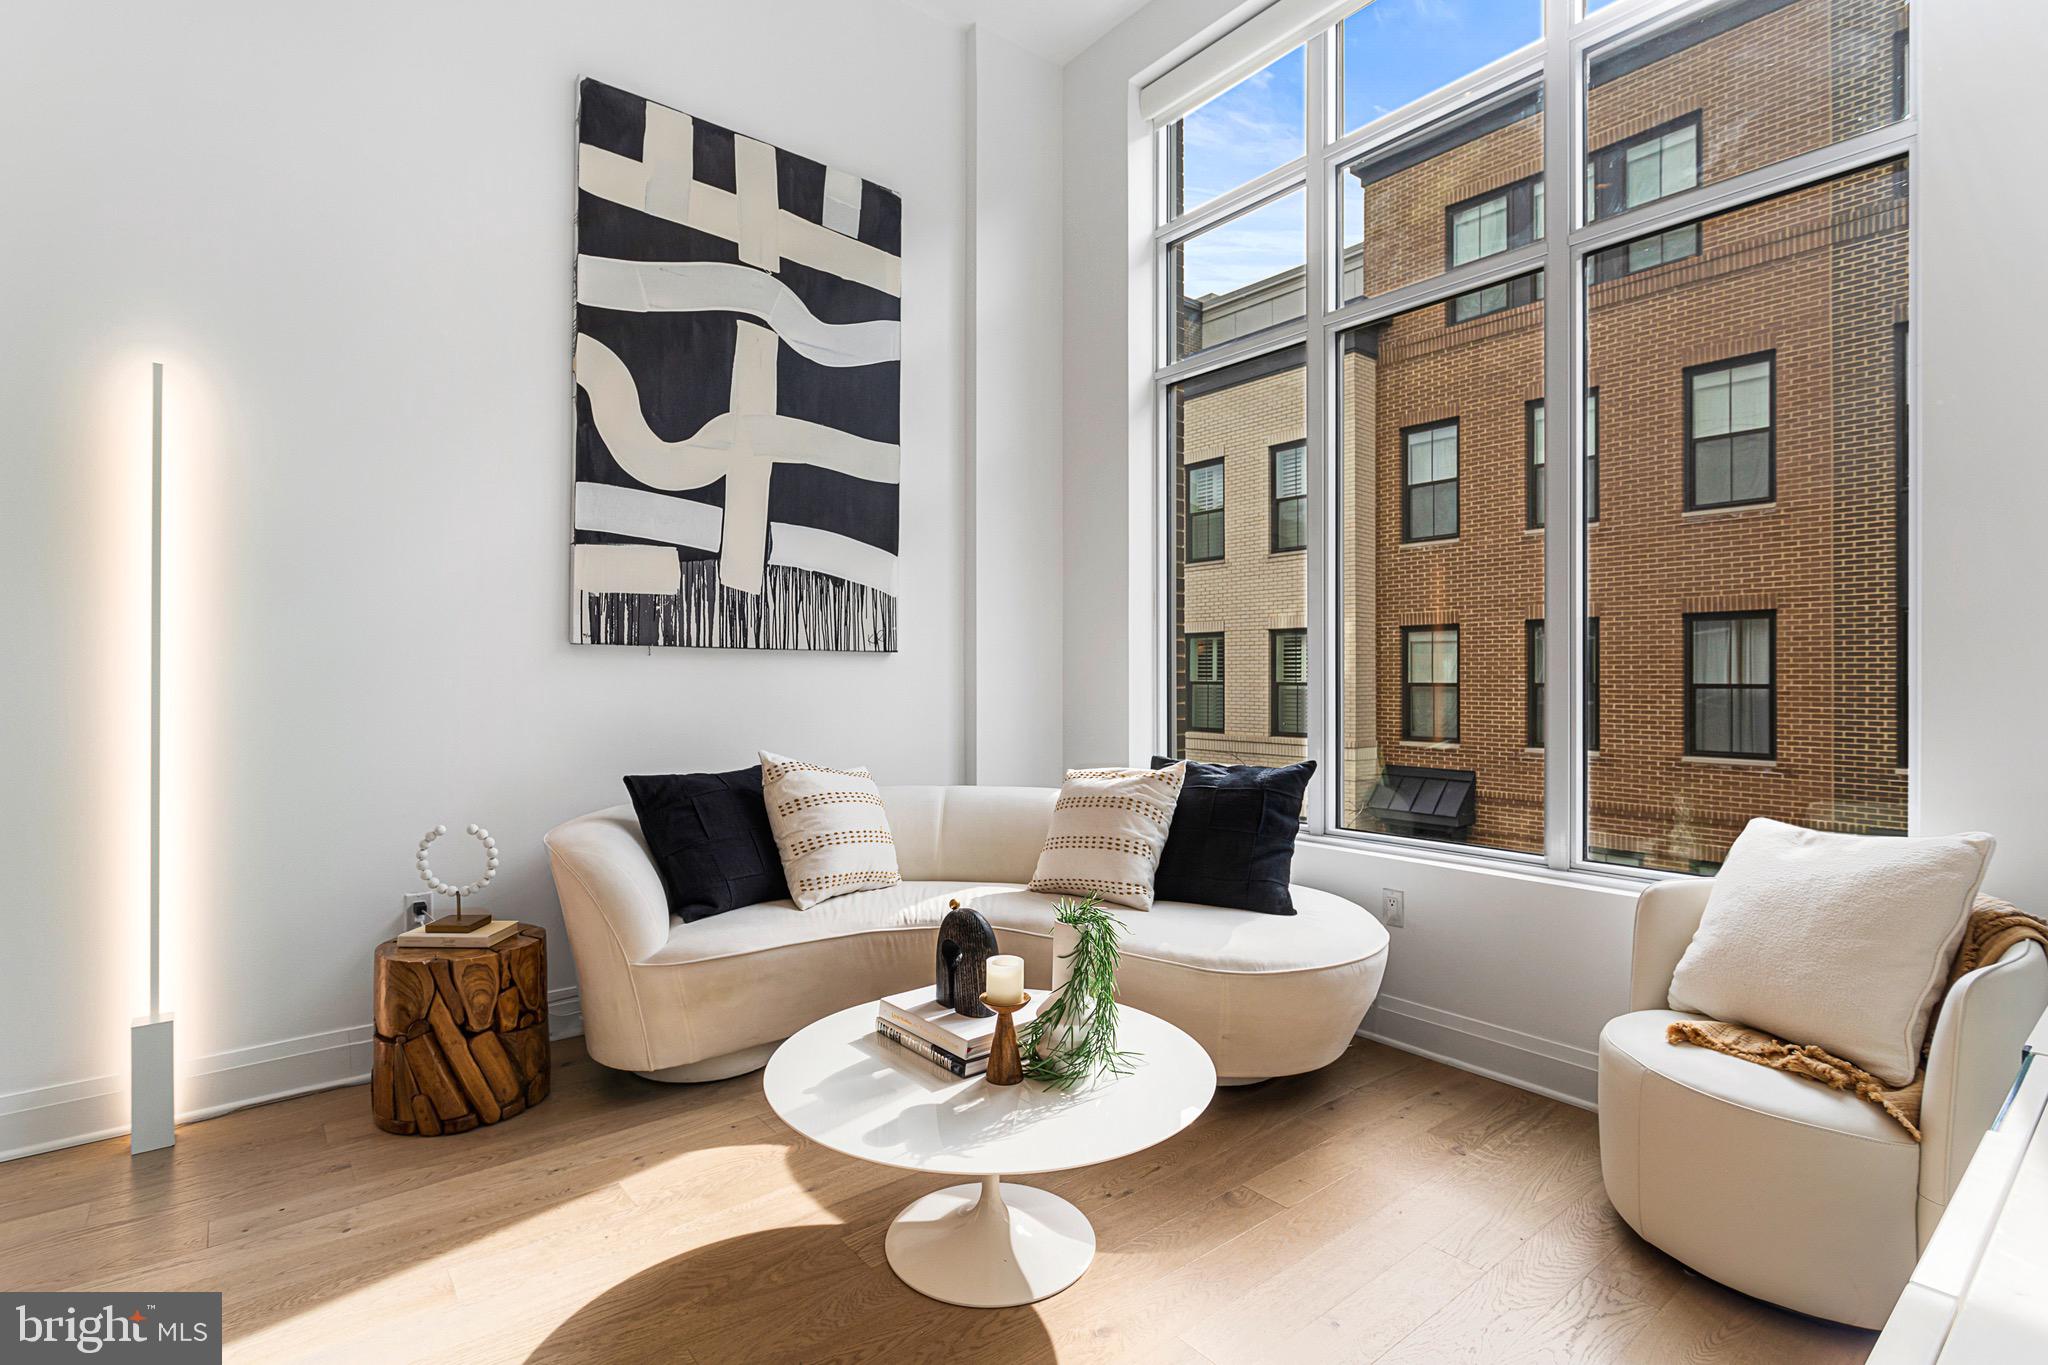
[1563, 492]
[1319, 383]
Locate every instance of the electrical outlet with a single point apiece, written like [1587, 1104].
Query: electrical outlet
[419, 908]
[1393, 909]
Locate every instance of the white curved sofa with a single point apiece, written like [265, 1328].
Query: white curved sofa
[1267, 995]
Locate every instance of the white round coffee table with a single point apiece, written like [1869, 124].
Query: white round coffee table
[984, 1244]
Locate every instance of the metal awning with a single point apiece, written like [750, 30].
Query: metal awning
[1440, 801]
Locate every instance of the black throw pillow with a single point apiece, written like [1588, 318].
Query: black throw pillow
[710, 839]
[1231, 842]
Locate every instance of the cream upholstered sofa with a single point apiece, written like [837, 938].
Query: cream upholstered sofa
[1267, 995]
[1774, 1184]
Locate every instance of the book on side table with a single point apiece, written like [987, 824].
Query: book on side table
[915, 1021]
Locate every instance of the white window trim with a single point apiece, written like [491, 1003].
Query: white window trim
[1559, 63]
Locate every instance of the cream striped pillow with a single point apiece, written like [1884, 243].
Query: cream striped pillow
[830, 829]
[1107, 830]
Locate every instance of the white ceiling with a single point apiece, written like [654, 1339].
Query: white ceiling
[1055, 29]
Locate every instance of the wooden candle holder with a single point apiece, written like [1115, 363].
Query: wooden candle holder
[1005, 1062]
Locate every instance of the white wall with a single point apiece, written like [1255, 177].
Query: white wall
[1014, 301]
[348, 232]
[1515, 974]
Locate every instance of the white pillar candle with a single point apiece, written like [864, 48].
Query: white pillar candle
[1005, 980]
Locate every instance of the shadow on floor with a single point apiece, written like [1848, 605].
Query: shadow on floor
[729, 1301]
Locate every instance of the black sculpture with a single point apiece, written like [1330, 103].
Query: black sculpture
[966, 940]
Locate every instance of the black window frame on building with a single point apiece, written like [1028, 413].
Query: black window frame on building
[1494, 298]
[1524, 219]
[1534, 683]
[1770, 430]
[1222, 501]
[1408, 686]
[1408, 536]
[1680, 243]
[1297, 689]
[1607, 167]
[1222, 696]
[1693, 688]
[1902, 419]
[1276, 503]
[1534, 510]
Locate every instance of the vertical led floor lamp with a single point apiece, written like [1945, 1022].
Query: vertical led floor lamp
[150, 1086]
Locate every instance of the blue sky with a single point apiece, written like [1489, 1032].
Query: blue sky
[1395, 51]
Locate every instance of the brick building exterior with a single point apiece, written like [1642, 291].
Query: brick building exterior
[1778, 540]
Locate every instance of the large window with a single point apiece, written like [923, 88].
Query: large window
[1667, 244]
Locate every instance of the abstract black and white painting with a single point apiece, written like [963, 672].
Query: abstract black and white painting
[738, 342]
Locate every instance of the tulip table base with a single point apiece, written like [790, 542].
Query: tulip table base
[985, 1243]
[990, 1245]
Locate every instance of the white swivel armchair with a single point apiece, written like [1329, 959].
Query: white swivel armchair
[1774, 1184]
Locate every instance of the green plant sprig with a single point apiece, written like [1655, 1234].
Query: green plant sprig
[1088, 996]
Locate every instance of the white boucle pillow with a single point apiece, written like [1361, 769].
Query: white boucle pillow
[1108, 828]
[830, 829]
[1841, 941]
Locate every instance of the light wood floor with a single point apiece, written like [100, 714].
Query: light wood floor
[1383, 1209]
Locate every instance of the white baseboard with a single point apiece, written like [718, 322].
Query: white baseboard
[65, 1115]
[1545, 1066]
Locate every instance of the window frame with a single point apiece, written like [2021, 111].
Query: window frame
[1770, 430]
[1533, 519]
[1617, 151]
[1273, 498]
[1556, 69]
[1532, 693]
[1274, 683]
[1770, 689]
[1219, 682]
[1408, 686]
[1408, 536]
[1218, 512]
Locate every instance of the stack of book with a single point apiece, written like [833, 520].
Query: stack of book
[915, 1021]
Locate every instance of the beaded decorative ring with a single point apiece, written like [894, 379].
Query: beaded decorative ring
[482, 836]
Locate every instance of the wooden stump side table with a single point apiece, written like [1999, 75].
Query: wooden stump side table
[461, 1034]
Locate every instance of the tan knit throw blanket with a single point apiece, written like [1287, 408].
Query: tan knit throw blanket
[1995, 926]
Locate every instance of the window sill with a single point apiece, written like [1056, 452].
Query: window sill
[1712, 761]
[1194, 564]
[1290, 550]
[1444, 744]
[1426, 544]
[1732, 509]
[1628, 882]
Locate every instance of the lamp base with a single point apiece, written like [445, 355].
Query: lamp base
[151, 1088]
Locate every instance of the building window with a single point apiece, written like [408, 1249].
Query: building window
[1429, 684]
[1495, 298]
[1429, 503]
[1536, 670]
[1492, 223]
[1534, 438]
[1643, 169]
[1730, 456]
[1290, 497]
[1205, 511]
[1205, 683]
[1646, 253]
[1731, 703]
[1290, 682]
